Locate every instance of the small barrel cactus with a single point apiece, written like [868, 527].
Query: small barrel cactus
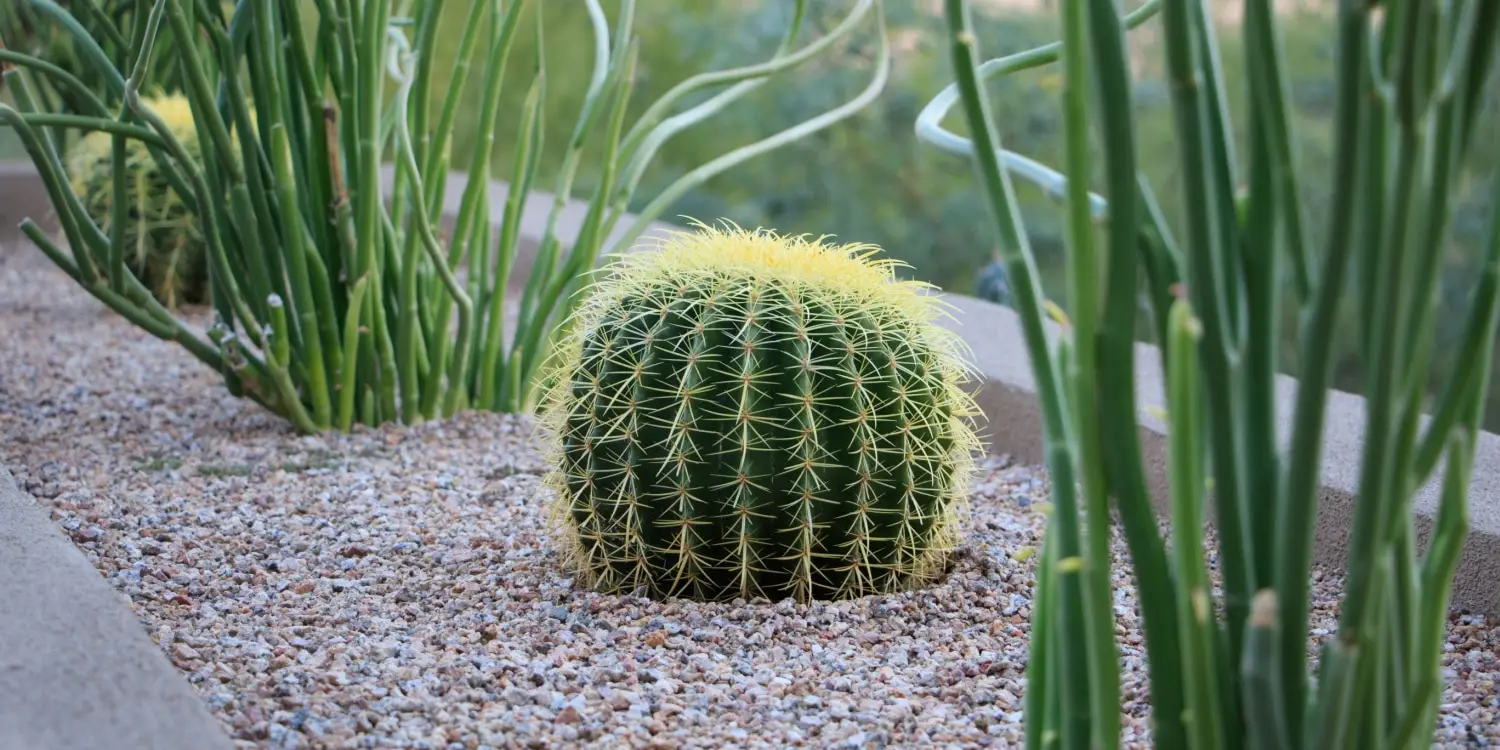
[739, 414]
[164, 243]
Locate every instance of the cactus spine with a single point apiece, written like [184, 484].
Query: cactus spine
[164, 244]
[742, 414]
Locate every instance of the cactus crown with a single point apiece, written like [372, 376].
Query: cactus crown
[741, 414]
[164, 245]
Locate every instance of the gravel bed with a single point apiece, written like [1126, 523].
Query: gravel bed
[397, 587]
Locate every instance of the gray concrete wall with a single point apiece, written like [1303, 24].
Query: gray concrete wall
[1012, 423]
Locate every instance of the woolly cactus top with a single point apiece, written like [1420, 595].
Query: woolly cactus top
[762, 254]
[740, 414]
[852, 273]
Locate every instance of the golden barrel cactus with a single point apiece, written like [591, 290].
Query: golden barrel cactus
[740, 414]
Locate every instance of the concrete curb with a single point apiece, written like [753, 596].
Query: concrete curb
[1006, 393]
[77, 671]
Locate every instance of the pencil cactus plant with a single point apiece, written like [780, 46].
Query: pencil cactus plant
[1229, 663]
[740, 414]
[326, 131]
[164, 242]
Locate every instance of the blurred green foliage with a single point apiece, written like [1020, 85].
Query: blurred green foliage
[868, 180]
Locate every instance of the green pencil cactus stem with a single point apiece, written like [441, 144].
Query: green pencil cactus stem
[164, 243]
[1229, 664]
[740, 414]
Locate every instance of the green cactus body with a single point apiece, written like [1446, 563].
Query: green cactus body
[740, 414]
[164, 243]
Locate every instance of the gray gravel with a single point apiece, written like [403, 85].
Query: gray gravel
[396, 587]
